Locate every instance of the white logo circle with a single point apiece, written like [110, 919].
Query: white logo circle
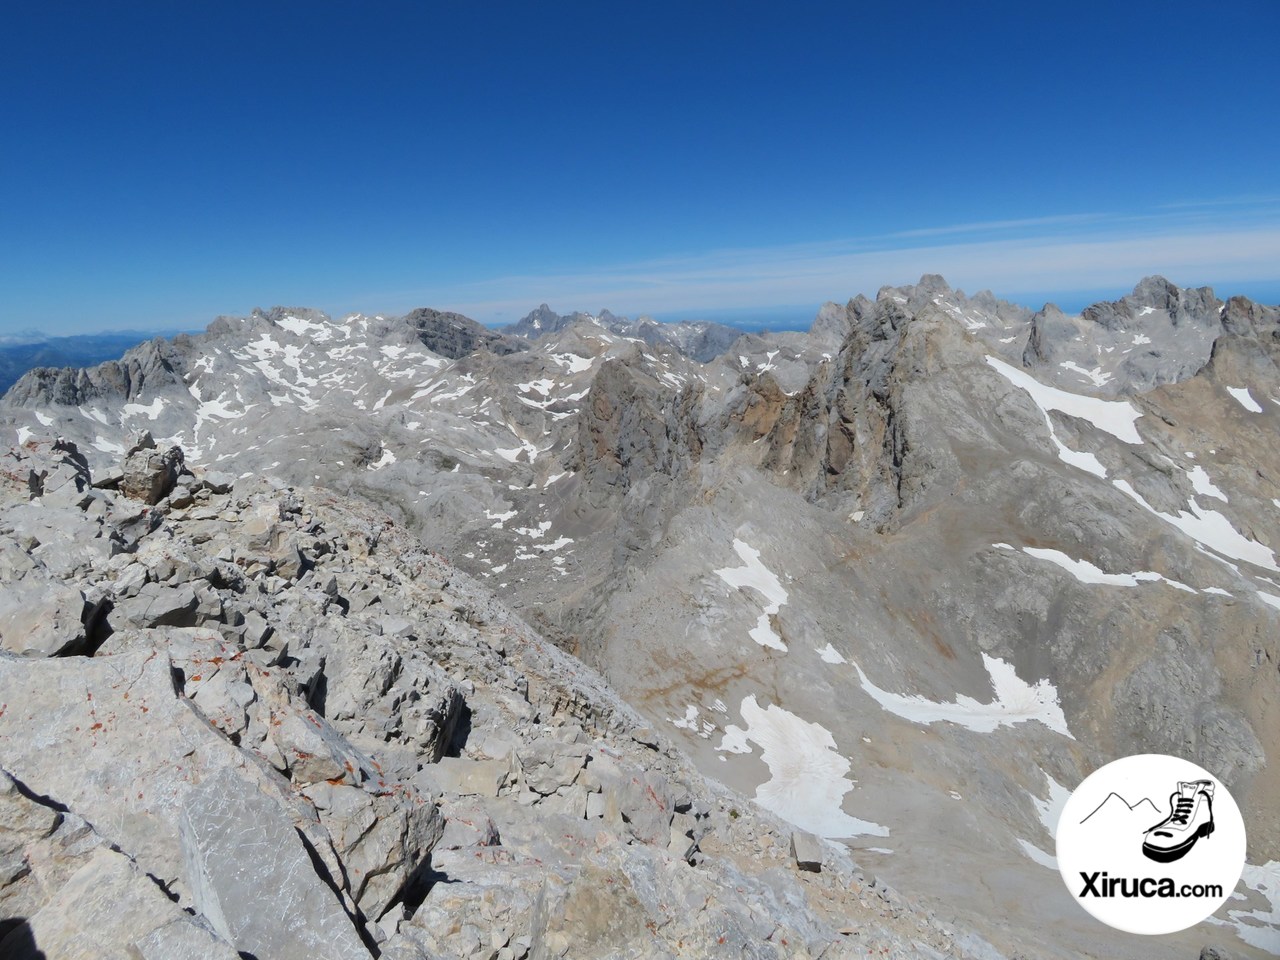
[1151, 844]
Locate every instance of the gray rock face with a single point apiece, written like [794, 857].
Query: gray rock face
[453, 335]
[155, 365]
[110, 908]
[699, 340]
[46, 620]
[237, 844]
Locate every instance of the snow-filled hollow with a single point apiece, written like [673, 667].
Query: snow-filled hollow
[1245, 399]
[1116, 417]
[1210, 529]
[807, 776]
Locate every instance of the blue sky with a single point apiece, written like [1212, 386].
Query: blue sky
[165, 163]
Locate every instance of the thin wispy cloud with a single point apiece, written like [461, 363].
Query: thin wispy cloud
[1001, 225]
[1061, 253]
[1246, 201]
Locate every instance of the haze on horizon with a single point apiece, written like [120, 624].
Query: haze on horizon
[738, 162]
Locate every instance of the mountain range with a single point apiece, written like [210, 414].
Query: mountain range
[897, 579]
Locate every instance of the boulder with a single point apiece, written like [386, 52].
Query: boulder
[631, 795]
[110, 739]
[22, 822]
[158, 605]
[467, 825]
[461, 777]
[548, 764]
[150, 474]
[44, 619]
[384, 840]
[806, 850]
[215, 481]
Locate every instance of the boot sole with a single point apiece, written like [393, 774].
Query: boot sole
[1169, 854]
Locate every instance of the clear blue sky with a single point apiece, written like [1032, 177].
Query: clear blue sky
[167, 162]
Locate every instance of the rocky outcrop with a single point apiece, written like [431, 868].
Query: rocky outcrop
[453, 335]
[153, 366]
[630, 429]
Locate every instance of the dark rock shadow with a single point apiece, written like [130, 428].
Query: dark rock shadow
[460, 733]
[17, 942]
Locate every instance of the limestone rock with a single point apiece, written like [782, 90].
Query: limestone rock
[158, 605]
[149, 474]
[252, 878]
[806, 850]
[44, 619]
[462, 777]
[384, 841]
[110, 908]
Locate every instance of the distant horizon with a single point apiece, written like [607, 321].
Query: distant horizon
[797, 317]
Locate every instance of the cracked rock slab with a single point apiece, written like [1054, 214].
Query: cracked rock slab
[110, 908]
[251, 876]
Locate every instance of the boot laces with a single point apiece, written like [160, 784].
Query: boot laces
[1182, 811]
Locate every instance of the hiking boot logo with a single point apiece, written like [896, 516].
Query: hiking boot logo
[1190, 818]
[1127, 856]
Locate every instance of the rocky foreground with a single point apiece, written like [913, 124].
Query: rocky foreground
[239, 719]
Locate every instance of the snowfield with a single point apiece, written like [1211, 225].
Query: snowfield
[807, 781]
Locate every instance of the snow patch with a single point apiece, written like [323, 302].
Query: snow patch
[572, 362]
[1261, 927]
[830, 654]
[512, 453]
[1096, 376]
[558, 544]
[756, 575]
[538, 386]
[1245, 398]
[1015, 702]
[44, 421]
[1209, 528]
[1115, 417]
[301, 327]
[1038, 855]
[1086, 572]
[1202, 484]
[107, 446]
[807, 777]
[24, 434]
[152, 410]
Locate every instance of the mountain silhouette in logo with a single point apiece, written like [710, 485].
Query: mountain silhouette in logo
[1116, 810]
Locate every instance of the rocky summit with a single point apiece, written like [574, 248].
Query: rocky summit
[593, 637]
